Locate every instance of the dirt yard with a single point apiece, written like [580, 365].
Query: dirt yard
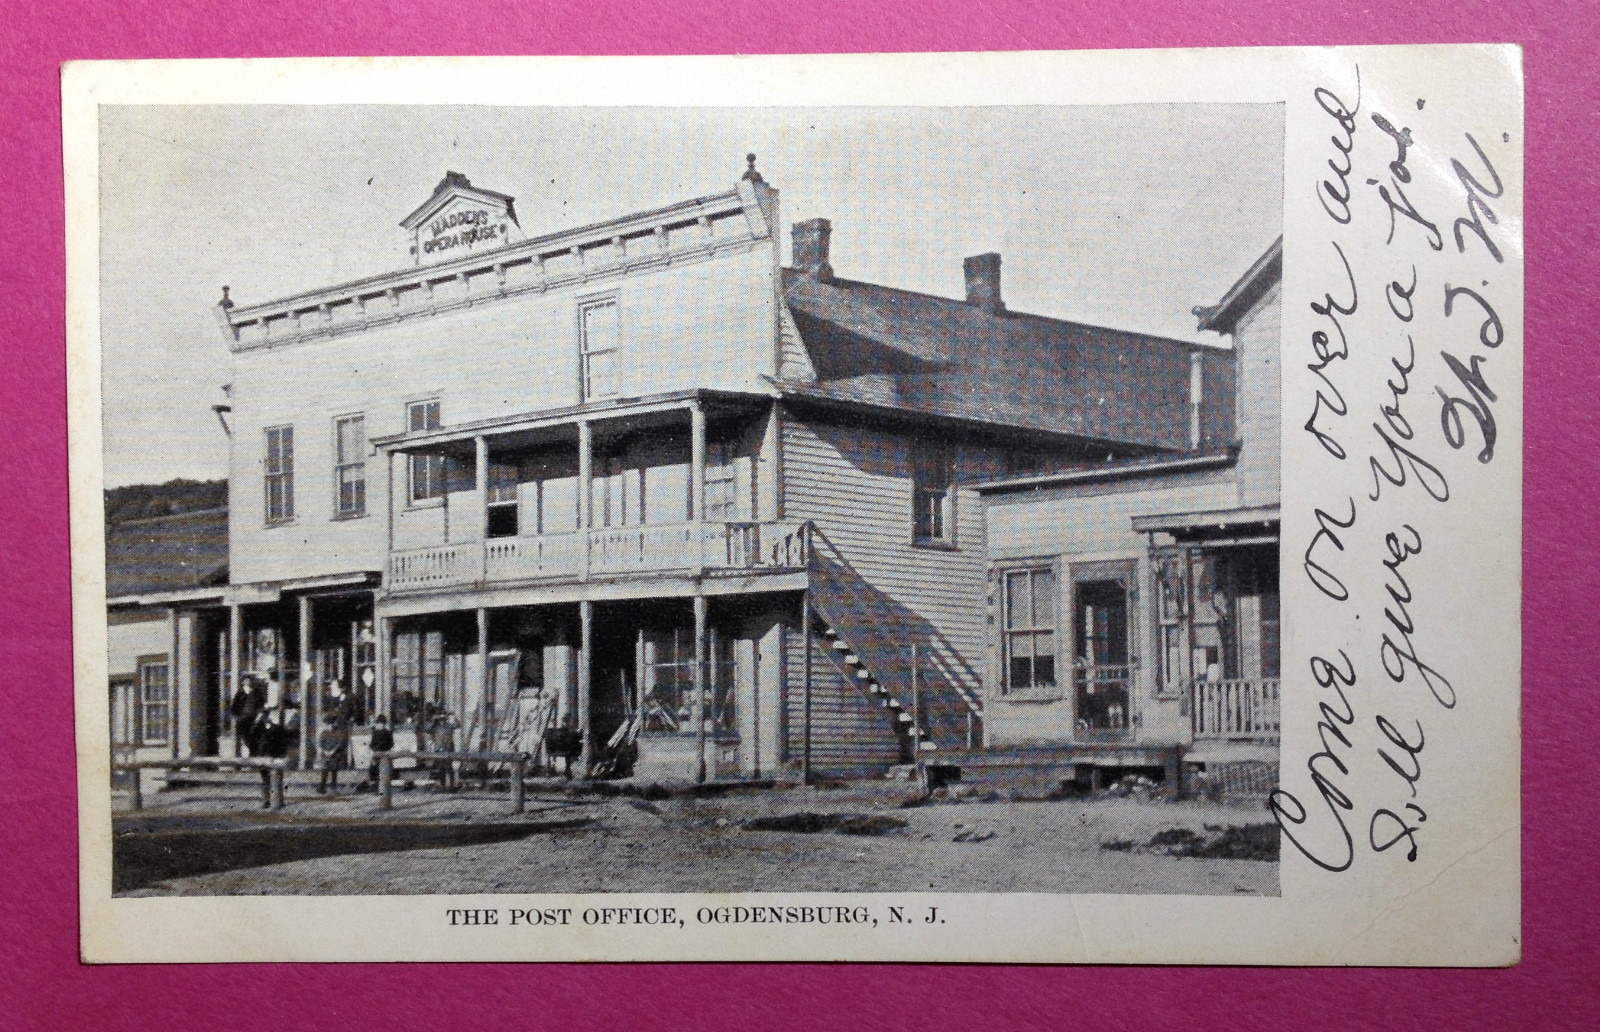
[851, 838]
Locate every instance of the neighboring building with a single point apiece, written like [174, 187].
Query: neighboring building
[637, 480]
[165, 576]
[1136, 603]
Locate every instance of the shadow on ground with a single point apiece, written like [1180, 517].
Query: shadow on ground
[142, 857]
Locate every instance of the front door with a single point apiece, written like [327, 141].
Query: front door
[1102, 676]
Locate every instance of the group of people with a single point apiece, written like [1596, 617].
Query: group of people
[258, 721]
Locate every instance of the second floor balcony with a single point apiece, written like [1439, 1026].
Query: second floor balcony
[685, 549]
[673, 486]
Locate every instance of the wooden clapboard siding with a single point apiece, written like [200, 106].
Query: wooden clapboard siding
[849, 730]
[854, 482]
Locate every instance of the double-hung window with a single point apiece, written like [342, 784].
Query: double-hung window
[350, 465]
[427, 470]
[280, 474]
[1029, 636]
[155, 708]
[597, 332]
[932, 496]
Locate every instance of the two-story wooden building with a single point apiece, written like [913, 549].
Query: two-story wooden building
[1150, 586]
[638, 480]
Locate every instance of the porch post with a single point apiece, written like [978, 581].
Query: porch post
[481, 473]
[697, 481]
[767, 493]
[382, 624]
[390, 456]
[585, 633]
[805, 666]
[700, 709]
[235, 632]
[172, 679]
[483, 671]
[585, 488]
[306, 676]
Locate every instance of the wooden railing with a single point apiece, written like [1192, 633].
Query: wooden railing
[608, 552]
[1240, 708]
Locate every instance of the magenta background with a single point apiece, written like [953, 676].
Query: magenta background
[1553, 988]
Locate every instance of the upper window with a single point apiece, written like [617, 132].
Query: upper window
[427, 471]
[280, 474]
[350, 465]
[154, 711]
[1030, 629]
[932, 496]
[598, 332]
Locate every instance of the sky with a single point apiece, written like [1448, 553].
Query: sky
[1125, 216]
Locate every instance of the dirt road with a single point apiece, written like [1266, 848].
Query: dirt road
[857, 838]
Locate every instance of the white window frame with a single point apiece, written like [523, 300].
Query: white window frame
[938, 459]
[352, 466]
[144, 702]
[425, 472]
[587, 389]
[1033, 630]
[279, 473]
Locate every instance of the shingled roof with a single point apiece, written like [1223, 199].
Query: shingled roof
[167, 553]
[940, 356]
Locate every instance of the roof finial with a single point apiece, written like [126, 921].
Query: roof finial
[226, 302]
[751, 173]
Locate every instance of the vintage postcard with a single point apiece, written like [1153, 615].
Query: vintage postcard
[1039, 507]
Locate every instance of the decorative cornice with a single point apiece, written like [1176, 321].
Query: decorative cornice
[687, 232]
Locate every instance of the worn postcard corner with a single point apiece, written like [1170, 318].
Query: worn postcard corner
[1008, 508]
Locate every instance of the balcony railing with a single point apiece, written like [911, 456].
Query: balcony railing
[1236, 709]
[609, 552]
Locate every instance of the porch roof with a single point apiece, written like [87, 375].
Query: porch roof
[609, 408]
[1249, 518]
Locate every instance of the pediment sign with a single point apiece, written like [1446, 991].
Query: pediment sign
[459, 221]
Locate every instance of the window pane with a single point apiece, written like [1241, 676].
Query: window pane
[601, 374]
[600, 327]
[1044, 598]
[1019, 610]
[1044, 665]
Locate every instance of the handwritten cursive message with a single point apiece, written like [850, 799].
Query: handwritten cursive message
[1398, 408]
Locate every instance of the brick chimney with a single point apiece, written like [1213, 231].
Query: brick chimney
[810, 240]
[983, 282]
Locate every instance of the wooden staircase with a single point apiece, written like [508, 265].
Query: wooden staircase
[915, 720]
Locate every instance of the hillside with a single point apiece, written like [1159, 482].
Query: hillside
[143, 501]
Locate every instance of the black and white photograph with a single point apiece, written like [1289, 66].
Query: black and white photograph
[1038, 508]
[680, 500]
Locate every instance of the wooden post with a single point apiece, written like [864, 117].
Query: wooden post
[585, 489]
[480, 472]
[305, 680]
[585, 634]
[138, 787]
[172, 679]
[390, 456]
[518, 790]
[385, 781]
[805, 638]
[276, 779]
[235, 632]
[697, 476]
[916, 723]
[700, 709]
[483, 674]
[385, 685]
